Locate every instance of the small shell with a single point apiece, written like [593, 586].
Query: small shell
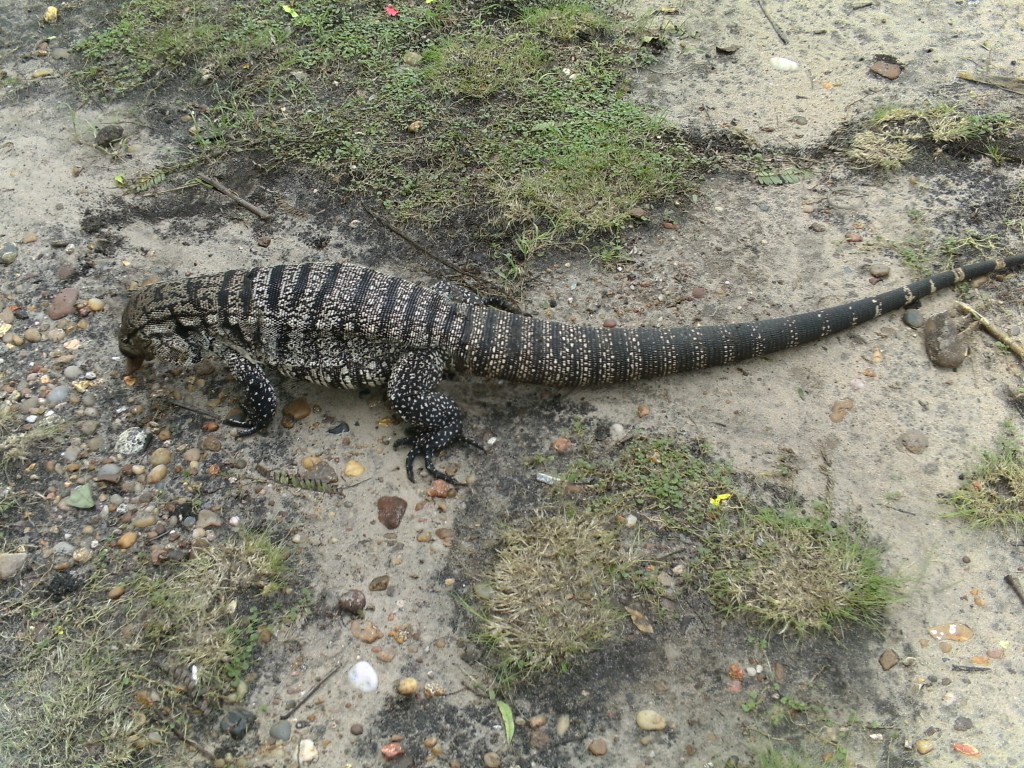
[783, 65]
[363, 676]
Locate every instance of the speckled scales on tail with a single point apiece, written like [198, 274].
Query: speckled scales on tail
[347, 326]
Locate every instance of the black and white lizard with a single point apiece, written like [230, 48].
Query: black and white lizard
[347, 326]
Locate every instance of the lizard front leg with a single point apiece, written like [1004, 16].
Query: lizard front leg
[435, 418]
[260, 404]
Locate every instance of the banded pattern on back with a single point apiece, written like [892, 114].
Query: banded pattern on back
[344, 325]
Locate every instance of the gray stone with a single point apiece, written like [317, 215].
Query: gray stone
[11, 564]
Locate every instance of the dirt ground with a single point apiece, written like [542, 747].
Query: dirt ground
[752, 250]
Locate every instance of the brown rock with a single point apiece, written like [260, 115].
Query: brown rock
[598, 747]
[63, 304]
[366, 631]
[888, 659]
[298, 409]
[379, 583]
[890, 70]
[352, 601]
[390, 511]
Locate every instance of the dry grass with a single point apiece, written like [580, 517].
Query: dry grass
[551, 594]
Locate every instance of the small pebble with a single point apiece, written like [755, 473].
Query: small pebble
[492, 760]
[160, 456]
[914, 318]
[356, 729]
[649, 720]
[914, 441]
[156, 474]
[390, 511]
[408, 686]
[598, 747]
[126, 540]
[363, 677]
[924, 746]
[879, 270]
[115, 592]
[888, 659]
[281, 730]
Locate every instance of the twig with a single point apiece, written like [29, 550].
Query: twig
[228, 193]
[778, 31]
[998, 333]
[313, 690]
[966, 668]
[426, 252]
[192, 409]
[1015, 586]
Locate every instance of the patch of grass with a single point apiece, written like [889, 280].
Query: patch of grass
[449, 112]
[893, 133]
[91, 680]
[992, 495]
[560, 581]
[796, 573]
[551, 595]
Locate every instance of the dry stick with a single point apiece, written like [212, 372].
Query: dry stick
[396, 231]
[228, 193]
[312, 690]
[778, 31]
[1015, 586]
[998, 333]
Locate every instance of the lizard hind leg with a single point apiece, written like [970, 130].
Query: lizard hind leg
[435, 419]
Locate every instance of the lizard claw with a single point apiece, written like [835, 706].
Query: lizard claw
[427, 444]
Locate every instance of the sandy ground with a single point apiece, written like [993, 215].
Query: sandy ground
[751, 248]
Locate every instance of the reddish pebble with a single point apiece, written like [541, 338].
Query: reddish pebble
[996, 653]
[609, 324]
[734, 686]
[392, 750]
[561, 444]
[63, 304]
[390, 511]
[853, 237]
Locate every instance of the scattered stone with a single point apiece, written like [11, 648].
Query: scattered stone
[955, 632]
[408, 686]
[132, 441]
[390, 511]
[307, 752]
[963, 724]
[108, 135]
[439, 489]
[562, 725]
[115, 592]
[392, 750]
[209, 442]
[8, 253]
[817, 226]
[561, 445]
[643, 411]
[492, 760]
[208, 519]
[914, 318]
[237, 722]
[379, 583]
[81, 497]
[783, 65]
[353, 469]
[887, 67]
[88, 427]
[412, 58]
[356, 729]
[914, 441]
[156, 474]
[298, 409]
[945, 345]
[839, 410]
[11, 564]
[82, 555]
[126, 540]
[598, 747]
[95, 305]
[108, 473]
[649, 720]
[63, 304]
[281, 730]
[924, 746]
[366, 632]
[160, 456]
[888, 659]
[854, 237]
[879, 270]
[363, 676]
[726, 50]
[353, 602]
